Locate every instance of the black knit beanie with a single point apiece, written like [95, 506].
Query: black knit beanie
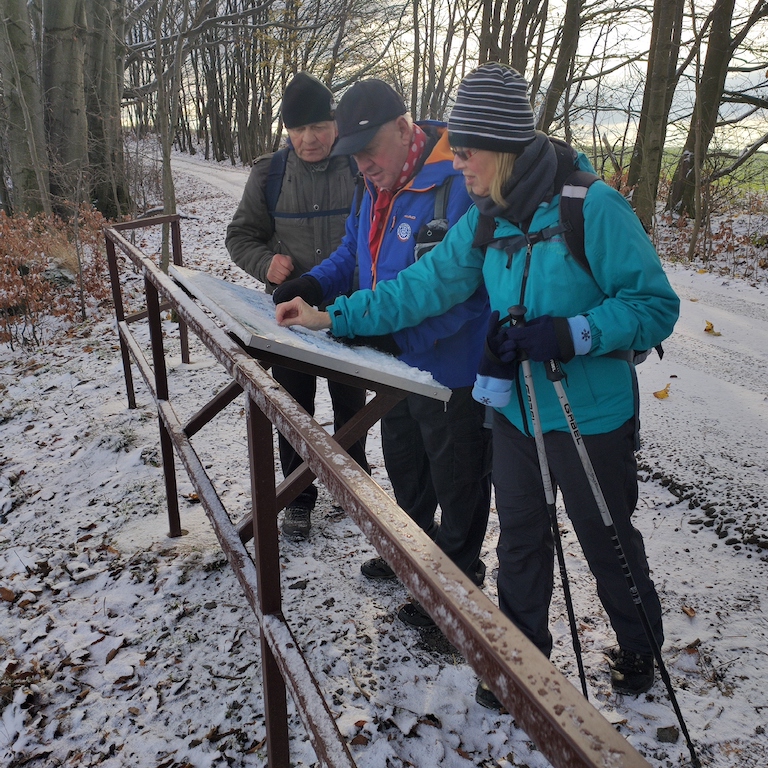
[492, 111]
[306, 100]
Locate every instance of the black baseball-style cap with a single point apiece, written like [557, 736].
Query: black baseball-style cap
[363, 109]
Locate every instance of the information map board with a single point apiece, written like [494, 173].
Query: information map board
[249, 315]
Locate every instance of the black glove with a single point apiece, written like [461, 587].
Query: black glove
[306, 286]
[384, 343]
[491, 364]
[543, 338]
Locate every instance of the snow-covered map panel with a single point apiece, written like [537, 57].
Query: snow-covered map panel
[250, 315]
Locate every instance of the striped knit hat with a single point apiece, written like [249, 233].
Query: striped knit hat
[492, 111]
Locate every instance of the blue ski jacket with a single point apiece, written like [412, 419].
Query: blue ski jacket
[627, 300]
[448, 343]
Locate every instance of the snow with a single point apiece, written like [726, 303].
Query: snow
[124, 647]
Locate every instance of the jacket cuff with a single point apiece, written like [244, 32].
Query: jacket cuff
[581, 334]
[339, 325]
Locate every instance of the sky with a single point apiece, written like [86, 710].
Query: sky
[124, 647]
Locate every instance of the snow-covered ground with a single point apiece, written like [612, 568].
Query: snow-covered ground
[122, 647]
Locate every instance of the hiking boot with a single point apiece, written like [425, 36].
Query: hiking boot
[478, 575]
[631, 673]
[485, 697]
[377, 568]
[414, 615]
[296, 523]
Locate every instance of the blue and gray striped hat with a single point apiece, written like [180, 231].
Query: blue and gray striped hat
[492, 111]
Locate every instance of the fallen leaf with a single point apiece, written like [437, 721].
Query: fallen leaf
[663, 394]
[710, 329]
[360, 740]
[688, 611]
[694, 299]
[7, 594]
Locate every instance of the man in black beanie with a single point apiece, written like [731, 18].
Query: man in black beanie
[292, 215]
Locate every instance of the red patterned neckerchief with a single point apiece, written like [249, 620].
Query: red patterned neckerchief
[384, 198]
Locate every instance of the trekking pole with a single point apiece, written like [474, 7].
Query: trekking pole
[555, 375]
[549, 495]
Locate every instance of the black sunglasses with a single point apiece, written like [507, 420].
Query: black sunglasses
[463, 154]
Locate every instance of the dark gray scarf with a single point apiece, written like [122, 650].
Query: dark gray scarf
[532, 183]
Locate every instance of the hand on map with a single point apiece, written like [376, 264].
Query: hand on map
[298, 312]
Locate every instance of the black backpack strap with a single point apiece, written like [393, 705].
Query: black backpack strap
[275, 180]
[441, 198]
[567, 162]
[274, 186]
[572, 195]
[484, 232]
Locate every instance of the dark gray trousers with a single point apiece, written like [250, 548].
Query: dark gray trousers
[346, 400]
[525, 547]
[438, 453]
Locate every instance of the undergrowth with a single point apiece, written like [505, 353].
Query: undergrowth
[49, 268]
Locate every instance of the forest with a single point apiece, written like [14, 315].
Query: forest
[668, 98]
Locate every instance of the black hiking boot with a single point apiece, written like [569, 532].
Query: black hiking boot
[414, 615]
[478, 576]
[377, 568]
[296, 522]
[485, 697]
[631, 673]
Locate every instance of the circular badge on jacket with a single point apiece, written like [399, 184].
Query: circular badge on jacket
[404, 232]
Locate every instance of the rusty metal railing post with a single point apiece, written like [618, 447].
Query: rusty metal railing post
[267, 561]
[161, 388]
[117, 300]
[178, 261]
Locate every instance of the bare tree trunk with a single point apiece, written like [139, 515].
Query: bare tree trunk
[22, 122]
[64, 25]
[568, 45]
[661, 80]
[104, 68]
[708, 97]
[167, 101]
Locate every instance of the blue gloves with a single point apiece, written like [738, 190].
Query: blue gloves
[306, 286]
[493, 385]
[543, 338]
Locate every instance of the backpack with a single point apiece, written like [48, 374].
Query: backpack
[572, 184]
[274, 185]
[431, 233]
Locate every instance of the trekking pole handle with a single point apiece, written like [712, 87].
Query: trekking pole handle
[516, 317]
[554, 370]
[552, 367]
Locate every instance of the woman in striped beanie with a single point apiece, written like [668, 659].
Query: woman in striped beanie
[586, 315]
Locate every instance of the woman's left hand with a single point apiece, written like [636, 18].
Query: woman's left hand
[298, 312]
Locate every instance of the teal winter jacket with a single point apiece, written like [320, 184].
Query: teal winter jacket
[627, 300]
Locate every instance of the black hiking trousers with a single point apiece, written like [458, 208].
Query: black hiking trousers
[440, 454]
[526, 547]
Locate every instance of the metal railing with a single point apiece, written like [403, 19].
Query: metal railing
[563, 725]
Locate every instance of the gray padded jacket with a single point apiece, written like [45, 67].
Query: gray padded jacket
[303, 227]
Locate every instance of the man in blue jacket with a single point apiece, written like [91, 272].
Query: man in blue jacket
[434, 454]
